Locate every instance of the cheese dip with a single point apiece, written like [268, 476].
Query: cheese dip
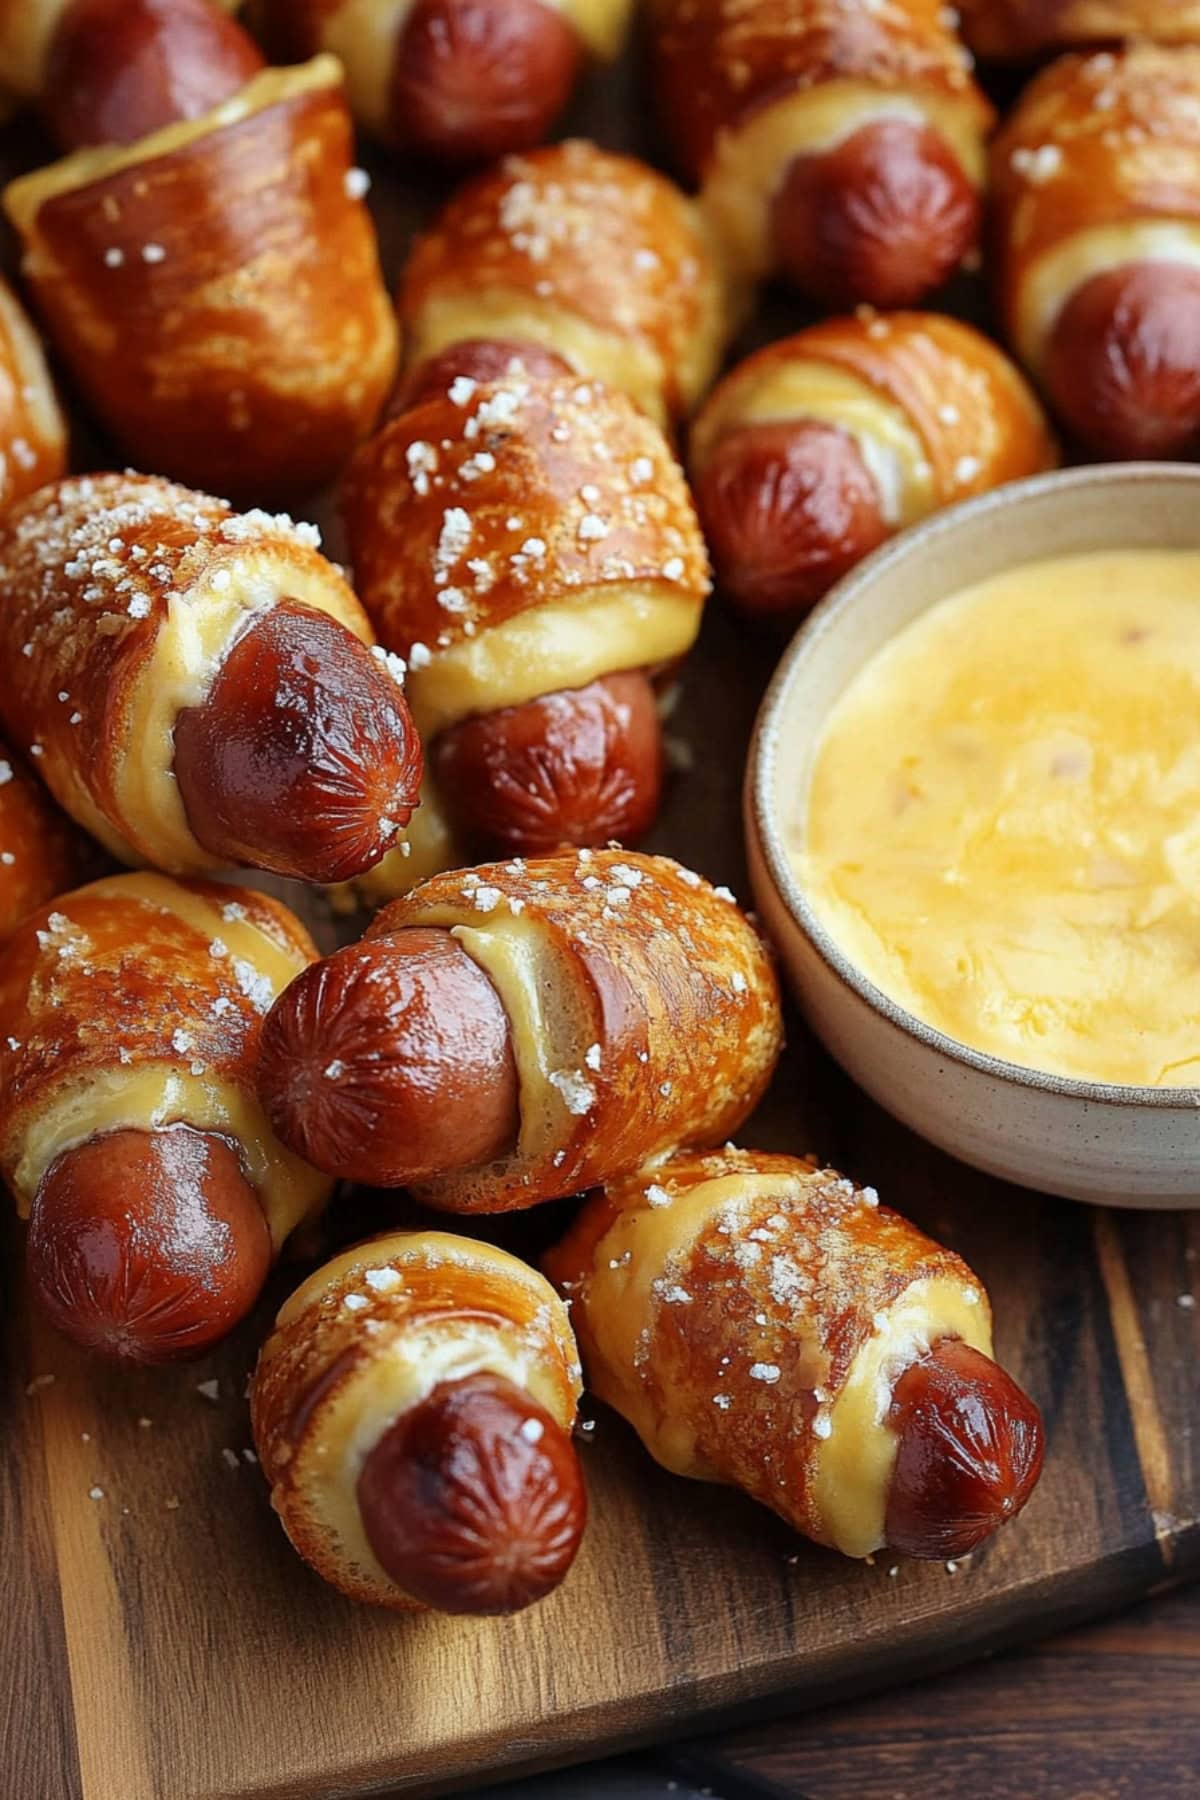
[1003, 828]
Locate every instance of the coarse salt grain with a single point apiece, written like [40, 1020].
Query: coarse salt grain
[1037, 166]
[578, 1094]
[395, 665]
[768, 1372]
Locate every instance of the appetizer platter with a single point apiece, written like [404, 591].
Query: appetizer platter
[461, 1318]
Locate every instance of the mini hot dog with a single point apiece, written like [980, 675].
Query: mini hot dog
[202, 257]
[813, 450]
[572, 249]
[528, 545]
[456, 80]
[524, 1030]
[412, 1412]
[763, 1322]
[155, 1190]
[1096, 180]
[197, 686]
[842, 146]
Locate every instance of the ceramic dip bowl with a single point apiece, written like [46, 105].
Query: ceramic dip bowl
[1120, 1146]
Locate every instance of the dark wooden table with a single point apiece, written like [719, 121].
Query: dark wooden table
[1111, 1712]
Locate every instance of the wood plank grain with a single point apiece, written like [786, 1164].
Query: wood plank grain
[38, 1752]
[1107, 1714]
[88, 1523]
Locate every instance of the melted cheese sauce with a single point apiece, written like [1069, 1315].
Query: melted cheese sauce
[1004, 818]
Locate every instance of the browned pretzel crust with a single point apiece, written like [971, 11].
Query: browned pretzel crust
[215, 288]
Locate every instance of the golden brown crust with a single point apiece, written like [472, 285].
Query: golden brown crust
[976, 418]
[33, 431]
[1017, 30]
[578, 232]
[673, 1003]
[216, 293]
[500, 499]
[1109, 142]
[731, 1352]
[130, 978]
[719, 63]
[93, 572]
[416, 1298]
[41, 853]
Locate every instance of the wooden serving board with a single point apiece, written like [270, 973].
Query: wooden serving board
[162, 1641]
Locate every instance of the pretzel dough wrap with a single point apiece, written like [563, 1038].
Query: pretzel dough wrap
[215, 288]
[584, 252]
[747, 86]
[516, 538]
[374, 41]
[748, 1314]
[33, 432]
[121, 594]
[1096, 167]
[363, 1342]
[41, 853]
[136, 1002]
[643, 1009]
[1018, 30]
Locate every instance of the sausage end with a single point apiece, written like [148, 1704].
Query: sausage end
[147, 1246]
[473, 1501]
[970, 1452]
[883, 218]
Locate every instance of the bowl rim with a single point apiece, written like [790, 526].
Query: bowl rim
[844, 597]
